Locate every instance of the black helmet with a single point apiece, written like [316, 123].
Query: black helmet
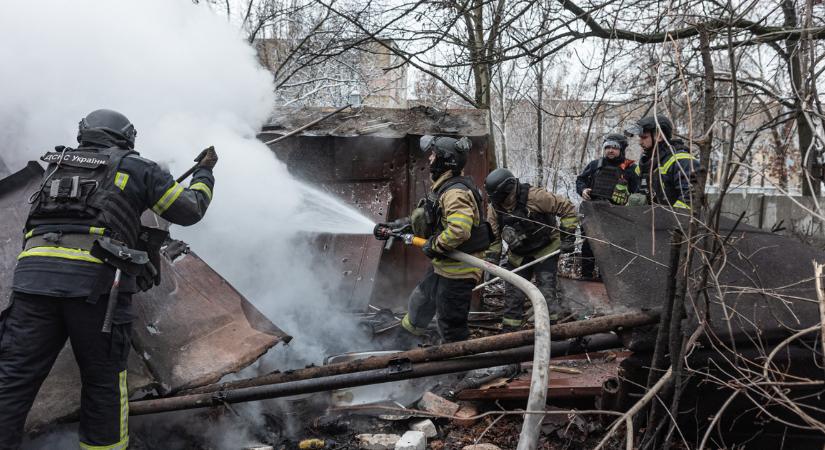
[111, 123]
[648, 124]
[450, 153]
[499, 184]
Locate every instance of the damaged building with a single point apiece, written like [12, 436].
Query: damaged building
[745, 296]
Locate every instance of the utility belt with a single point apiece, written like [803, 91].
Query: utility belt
[143, 262]
[78, 241]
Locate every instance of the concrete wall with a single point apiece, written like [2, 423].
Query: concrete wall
[769, 212]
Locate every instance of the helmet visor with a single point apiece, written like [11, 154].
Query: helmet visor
[426, 143]
[502, 190]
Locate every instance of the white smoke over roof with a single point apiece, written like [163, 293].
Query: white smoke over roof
[187, 80]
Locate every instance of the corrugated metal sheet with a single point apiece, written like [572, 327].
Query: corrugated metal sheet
[766, 284]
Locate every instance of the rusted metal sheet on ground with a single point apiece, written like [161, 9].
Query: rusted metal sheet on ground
[574, 376]
[334, 152]
[189, 335]
[195, 327]
[767, 281]
[356, 257]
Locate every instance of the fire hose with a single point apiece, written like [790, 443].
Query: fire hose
[528, 438]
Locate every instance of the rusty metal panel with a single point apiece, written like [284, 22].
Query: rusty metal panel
[767, 281]
[574, 376]
[367, 158]
[356, 257]
[195, 327]
[327, 155]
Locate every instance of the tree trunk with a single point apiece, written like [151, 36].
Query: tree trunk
[539, 126]
[710, 108]
[503, 108]
[805, 135]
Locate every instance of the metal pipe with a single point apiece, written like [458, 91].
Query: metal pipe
[445, 351]
[518, 269]
[402, 370]
[304, 127]
[536, 401]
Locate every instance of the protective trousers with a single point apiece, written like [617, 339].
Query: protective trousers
[447, 298]
[33, 330]
[545, 273]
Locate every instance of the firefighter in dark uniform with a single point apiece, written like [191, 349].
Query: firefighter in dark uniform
[534, 223]
[450, 217]
[89, 195]
[611, 178]
[667, 168]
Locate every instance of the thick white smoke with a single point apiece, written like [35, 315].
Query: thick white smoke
[187, 80]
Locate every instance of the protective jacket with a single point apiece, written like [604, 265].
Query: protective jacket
[602, 177]
[668, 179]
[456, 212]
[527, 221]
[90, 192]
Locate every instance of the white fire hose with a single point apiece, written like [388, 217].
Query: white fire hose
[529, 436]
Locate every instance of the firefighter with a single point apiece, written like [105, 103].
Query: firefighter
[450, 217]
[90, 196]
[534, 223]
[611, 178]
[667, 169]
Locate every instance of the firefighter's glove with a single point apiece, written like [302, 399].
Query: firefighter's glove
[429, 249]
[568, 242]
[209, 159]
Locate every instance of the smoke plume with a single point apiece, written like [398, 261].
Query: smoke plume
[187, 80]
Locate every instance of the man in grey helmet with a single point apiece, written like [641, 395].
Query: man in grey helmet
[534, 223]
[82, 238]
[612, 178]
[450, 217]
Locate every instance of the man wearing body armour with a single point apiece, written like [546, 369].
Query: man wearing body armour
[669, 172]
[450, 217]
[83, 247]
[611, 178]
[534, 223]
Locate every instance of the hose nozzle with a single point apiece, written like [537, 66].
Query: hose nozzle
[382, 232]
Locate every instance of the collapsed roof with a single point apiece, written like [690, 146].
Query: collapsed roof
[381, 122]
